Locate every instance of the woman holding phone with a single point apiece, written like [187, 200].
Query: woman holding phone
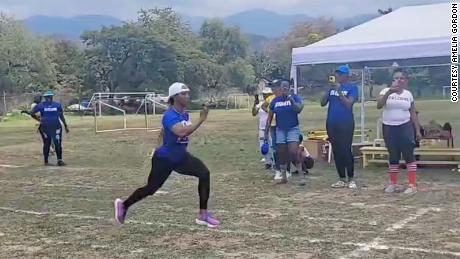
[399, 120]
[340, 124]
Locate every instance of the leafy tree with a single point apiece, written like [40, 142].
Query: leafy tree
[223, 44]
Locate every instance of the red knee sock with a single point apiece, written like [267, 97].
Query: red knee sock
[393, 171]
[412, 173]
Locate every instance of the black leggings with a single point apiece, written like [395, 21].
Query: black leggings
[399, 140]
[341, 138]
[162, 168]
[51, 135]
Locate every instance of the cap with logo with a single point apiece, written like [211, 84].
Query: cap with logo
[177, 88]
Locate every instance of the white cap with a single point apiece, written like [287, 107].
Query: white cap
[177, 88]
[267, 90]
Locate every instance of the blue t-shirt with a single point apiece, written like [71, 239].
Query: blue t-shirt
[49, 114]
[286, 116]
[337, 111]
[174, 147]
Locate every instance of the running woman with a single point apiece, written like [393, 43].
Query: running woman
[287, 108]
[263, 115]
[173, 156]
[340, 125]
[399, 120]
[51, 115]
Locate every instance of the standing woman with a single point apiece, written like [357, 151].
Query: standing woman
[173, 156]
[399, 120]
[340, 125]
[287, 108]
[38, 100]
[51, 116]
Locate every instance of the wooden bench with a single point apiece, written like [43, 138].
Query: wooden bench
[369, 154]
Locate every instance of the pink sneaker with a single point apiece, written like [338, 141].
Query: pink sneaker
[207, 219]
[120, 211]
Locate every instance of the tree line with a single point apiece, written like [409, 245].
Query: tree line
[150, 53]
[159, 48]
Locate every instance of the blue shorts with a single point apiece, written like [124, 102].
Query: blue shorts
[285, 136]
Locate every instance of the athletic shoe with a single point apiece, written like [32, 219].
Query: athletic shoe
[120, 211]
[392, 188]
[352, 185]
[302, 180]
[262, 160]
[339, 184]
[61, 163]
[268, 166]
[207, 219]
[278, 176]
[412, 189]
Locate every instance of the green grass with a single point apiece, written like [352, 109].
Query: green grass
[260, 220]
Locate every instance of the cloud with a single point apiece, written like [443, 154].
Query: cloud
[127, 9]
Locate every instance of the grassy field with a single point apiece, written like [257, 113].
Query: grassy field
[56, 212]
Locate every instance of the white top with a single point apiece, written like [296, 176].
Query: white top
[263, 116]
[396, 110]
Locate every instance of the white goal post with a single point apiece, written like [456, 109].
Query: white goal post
[239, 101]
[139, 103]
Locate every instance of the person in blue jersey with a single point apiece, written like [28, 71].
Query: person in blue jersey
[173, 156]
[51, 116]
[38, 99]
[286, 107]
[340, 124]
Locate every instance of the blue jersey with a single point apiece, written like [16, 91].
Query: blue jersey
[286, 116]
[174, 147]
[49, 114]
[337, 111]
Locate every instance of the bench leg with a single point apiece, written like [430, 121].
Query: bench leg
[365, 163]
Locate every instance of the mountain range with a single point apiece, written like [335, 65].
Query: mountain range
[258, 22]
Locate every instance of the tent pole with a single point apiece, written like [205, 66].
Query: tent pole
[363, 74]
[294, 72]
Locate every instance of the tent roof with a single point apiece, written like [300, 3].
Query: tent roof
[408, 32]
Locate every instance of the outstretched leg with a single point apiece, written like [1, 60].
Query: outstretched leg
[195, 167]
[160, 171]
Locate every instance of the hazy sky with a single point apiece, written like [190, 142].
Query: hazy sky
[126, 9]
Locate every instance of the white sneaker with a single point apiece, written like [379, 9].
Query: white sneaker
[288, 175]
[339, 184]
[411, 189]
[278, 176]
[352, 185]
[263, 160]
[392, 188]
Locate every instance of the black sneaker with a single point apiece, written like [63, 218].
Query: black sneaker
[61, 163]
[268, 166]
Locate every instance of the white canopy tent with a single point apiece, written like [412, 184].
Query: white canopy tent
[409, 32]
[412, 32]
